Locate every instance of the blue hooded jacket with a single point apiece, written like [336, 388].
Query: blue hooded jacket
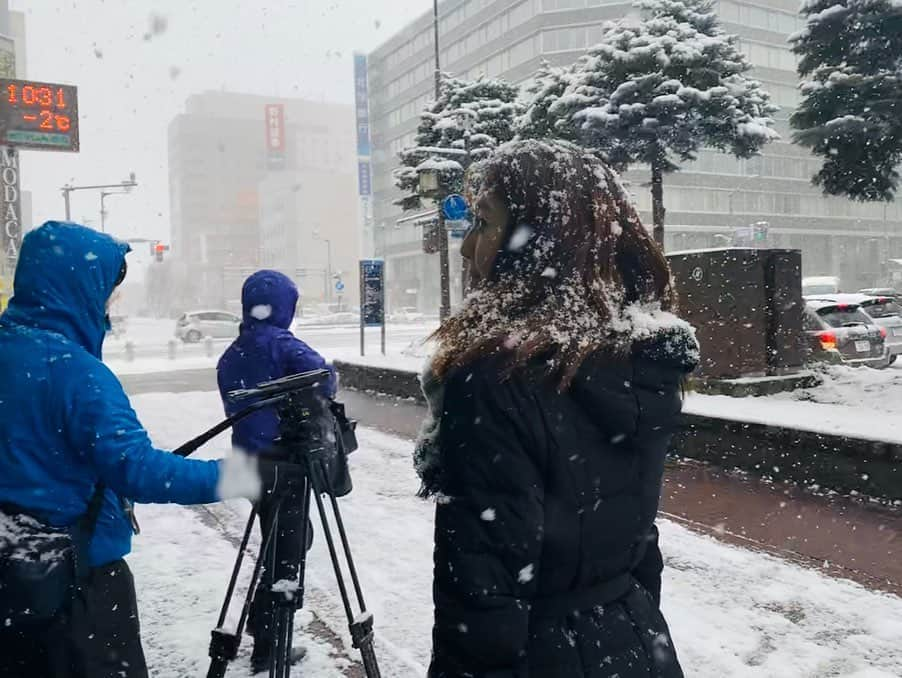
[265, 349]
[66, 422]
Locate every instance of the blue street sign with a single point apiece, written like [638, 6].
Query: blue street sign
[455, 208]
[339, 286]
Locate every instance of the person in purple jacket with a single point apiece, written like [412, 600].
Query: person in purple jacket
[264, 350]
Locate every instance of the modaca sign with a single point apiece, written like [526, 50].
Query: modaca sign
[10, 205]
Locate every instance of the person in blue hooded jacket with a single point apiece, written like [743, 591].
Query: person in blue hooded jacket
[67, 426]
[266, 349]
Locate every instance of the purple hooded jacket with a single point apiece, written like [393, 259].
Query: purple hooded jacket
[265, 349]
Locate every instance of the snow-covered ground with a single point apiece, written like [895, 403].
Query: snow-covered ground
[733, 612]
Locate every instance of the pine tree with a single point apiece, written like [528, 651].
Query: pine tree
[470, 117]
[550, 82]
[657, 90]
[851, 110]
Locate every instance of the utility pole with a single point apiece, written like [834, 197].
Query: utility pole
[444, 265]
[124, 186]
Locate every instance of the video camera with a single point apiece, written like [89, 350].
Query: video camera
[310, 425]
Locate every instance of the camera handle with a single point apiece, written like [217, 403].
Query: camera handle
[195, 444]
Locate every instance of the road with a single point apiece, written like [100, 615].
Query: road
[154, 342]
[844, 537]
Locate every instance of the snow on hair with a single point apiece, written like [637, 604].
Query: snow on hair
[568, 214]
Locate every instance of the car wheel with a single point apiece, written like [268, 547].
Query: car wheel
[193, 337]
[892, 359]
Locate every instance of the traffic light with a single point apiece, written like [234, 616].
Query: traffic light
[158, 250]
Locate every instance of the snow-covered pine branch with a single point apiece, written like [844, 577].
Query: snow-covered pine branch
[658, 89]
[469, 120]
[851, 110]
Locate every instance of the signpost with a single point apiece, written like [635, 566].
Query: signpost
[372, 299]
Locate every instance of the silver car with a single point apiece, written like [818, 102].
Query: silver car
[885, 312]
[194, 326]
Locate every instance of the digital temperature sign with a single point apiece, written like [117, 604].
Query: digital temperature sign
[40, 115]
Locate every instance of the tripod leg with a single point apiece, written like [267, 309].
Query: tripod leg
[361, 627]
[223, 644]
[288, 568]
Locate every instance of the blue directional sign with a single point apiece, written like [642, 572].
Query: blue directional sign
[455, 208]
[339, 286]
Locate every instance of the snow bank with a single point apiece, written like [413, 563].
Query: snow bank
[855, 402]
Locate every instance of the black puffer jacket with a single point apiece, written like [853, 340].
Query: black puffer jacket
[546, 561]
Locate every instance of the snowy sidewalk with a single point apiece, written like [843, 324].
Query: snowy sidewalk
[733, 612]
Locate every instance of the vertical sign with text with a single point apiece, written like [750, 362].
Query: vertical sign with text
[372, 292]
[275, 136]
[362, 105]
[10, 205]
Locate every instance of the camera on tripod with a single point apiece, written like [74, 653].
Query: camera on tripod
[309, 460]
[310, 426]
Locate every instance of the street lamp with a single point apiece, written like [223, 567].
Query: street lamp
[103, 197]
[318, 236]
[126, 186]
[429, 183]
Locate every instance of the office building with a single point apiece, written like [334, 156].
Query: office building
[227, 182]
[706, 202]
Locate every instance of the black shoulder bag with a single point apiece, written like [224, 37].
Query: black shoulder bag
[41, 566]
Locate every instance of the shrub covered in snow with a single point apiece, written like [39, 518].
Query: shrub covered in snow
[851, 109]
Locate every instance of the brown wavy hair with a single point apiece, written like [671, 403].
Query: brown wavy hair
[575, 256]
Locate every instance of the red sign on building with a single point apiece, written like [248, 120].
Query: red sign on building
[275, 127]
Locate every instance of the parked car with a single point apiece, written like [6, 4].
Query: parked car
[842, 333]
[881, 292]
[408, 314]
[194, 326]
[884, 312]
[820, 284]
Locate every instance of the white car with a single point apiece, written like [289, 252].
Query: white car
[194, 326]
[407, 315]
[820, 285]
[885, 312]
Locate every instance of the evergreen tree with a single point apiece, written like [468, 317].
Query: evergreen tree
[851, 110]
[470, 117]
[657, 90]
[549, 85]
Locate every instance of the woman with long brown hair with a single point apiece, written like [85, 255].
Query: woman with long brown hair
[553, 393]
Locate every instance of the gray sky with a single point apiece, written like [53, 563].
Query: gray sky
[131, 87]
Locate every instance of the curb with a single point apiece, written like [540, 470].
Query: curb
[821, 462]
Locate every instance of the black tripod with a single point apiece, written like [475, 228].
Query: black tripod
[315, 438]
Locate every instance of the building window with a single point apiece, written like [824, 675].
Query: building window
[564, 39]
[524, 50]
[553, 5]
